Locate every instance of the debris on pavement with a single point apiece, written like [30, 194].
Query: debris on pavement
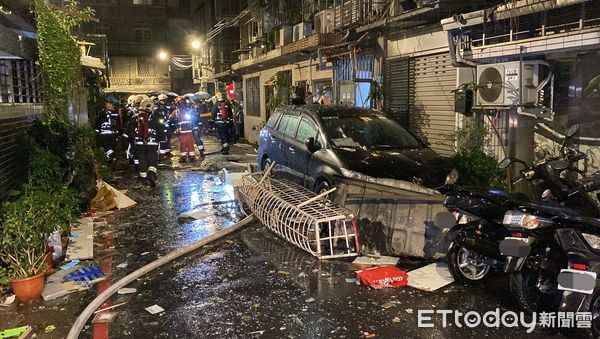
[283, 272]
[127, 290]
[144, 253]
[256, 332]
[384, 276]
[431, 277]
[122, 265]
[369, 335]
[372, 260]
[20, 332]
[82, 246]
[109, 198]
[396, 320]
[89, 275]
[54, 290]
[388, 304]
[154, 309]
[73, 263]
[8, 300]
[352, 280]
[105, 317]
[110, 307]
[309, 216]
[49, 328]
[196, 214]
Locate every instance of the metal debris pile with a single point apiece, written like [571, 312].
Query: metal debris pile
[300, 216]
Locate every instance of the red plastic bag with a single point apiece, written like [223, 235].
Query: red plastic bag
[382, 276]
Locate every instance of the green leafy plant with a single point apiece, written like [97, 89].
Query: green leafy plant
[475, 166]
[59, 55]
[281, 91]
[25, 226]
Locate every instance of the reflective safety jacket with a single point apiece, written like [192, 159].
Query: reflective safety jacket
[108, 122]
[185, 117]
[143, 130]
[222, 112]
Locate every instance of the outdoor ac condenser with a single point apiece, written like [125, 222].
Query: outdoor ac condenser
[302, 30]
[283, 35]
[324, 21]
[512, 83]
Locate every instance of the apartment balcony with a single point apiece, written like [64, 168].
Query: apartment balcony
[311, 43]
[288, 53]
[353, 13]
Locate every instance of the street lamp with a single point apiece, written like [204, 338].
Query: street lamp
[196, 44]
[163, 55]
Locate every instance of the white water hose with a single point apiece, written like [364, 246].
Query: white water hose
[93, 306]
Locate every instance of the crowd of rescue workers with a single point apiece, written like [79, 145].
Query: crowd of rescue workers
[144, 126]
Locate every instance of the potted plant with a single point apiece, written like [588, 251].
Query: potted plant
[26, 224]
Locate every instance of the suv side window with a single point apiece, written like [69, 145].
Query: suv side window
[292, 125]
[273, 120]
[307, 129]
[283, 123]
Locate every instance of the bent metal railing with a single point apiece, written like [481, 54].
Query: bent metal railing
[300, 216]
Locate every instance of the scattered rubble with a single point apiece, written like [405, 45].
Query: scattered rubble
[154, 309]
[431, 277]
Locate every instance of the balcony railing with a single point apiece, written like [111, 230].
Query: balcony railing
[310, 43]
[358, 12]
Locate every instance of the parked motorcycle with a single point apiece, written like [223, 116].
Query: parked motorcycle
[475, 250]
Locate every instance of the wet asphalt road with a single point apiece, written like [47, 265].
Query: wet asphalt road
[253, 284]
[248, 285]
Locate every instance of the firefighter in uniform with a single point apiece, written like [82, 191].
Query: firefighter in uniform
[162, 113]
[223, 118]
[143, 133]
[108, 128]
[198, 125]
[182, 116]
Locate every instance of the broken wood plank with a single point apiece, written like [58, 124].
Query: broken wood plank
[82, 246]
[372, 261]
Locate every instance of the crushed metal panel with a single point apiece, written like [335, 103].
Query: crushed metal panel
[394, 219]
[294, 213]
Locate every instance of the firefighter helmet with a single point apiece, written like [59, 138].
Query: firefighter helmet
[146, 105]
[131, 100]
[163, 97]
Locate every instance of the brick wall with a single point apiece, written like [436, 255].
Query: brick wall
[14, 120]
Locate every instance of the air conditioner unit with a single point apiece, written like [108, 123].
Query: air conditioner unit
[302, 30]
[283, 35]
[511, 83]
[256, 51]
[325, 21]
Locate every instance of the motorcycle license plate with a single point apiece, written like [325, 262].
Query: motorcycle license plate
[577, 281]
[515, 247]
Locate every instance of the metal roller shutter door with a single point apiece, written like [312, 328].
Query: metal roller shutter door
[432, 115]
[397, 82]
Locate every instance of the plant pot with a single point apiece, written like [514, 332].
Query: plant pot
[29, 288]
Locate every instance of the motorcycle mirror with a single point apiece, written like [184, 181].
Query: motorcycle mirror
[505, 163]
[571, 131]
[559, 164]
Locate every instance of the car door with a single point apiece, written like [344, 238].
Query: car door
[288, 149]
[302, 157]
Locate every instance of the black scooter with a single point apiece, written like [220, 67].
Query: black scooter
[476, 248]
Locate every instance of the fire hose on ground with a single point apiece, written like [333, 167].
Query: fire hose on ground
[96, 303]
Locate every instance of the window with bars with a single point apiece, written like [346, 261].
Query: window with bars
[26, 82]
[253, 96]
[142, 32]
[5, 82]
